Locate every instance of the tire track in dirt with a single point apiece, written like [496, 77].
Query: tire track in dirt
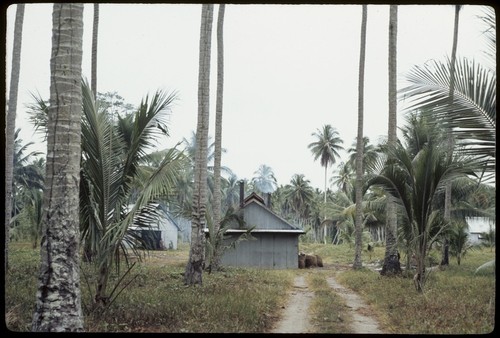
[360, 323]
[296, 318]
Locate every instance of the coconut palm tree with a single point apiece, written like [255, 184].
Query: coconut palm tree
[447, 202]
[300, 194]
[58, 297]
[231, 193]
[359, 144]
[370, 154]
[343, 180]
[341, 210]
[194, 268]
[326, 148]
[264, 181]
[10, 122]
[391, 264]
[215, 263]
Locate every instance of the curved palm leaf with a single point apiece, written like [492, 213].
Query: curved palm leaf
[159, 184]
[472, 114]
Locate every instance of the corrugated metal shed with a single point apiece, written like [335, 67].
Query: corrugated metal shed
[275, 244]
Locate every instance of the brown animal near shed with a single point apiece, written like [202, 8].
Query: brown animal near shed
[302, 260]
[309, 261]
[320, 261]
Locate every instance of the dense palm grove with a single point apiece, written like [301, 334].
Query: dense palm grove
[123, 173]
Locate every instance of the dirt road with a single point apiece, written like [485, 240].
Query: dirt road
[294, 321]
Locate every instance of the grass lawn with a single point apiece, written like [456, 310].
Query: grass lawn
[249, 300]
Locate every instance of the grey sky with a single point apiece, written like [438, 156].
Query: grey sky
[289, 69]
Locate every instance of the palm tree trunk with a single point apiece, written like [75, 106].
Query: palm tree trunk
[194, 267]
[88, 254]
[95, 29]
[324, 205]
[445, 259]
[215, 264]
[359, 145]
[391, 261]
[10, 123]
[58, 298]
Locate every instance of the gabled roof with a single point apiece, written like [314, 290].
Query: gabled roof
[253, 196]
[255, 201]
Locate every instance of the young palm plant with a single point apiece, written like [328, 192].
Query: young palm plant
[113, 154]
[459, 239]
[415, 182]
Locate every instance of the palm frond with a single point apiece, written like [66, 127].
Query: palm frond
[471, 114]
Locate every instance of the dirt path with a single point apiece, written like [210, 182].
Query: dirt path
[294, 321]
[361, 323]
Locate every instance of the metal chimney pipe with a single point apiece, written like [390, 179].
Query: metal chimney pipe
[242, 193]
[268, 202]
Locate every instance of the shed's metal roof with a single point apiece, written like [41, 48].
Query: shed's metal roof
[282, 231]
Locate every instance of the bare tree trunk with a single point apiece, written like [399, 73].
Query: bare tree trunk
[216, 259]
[58, 299]
[391, 258]
[445, 259]
[10, 123]
[194, 267]
[359, 145]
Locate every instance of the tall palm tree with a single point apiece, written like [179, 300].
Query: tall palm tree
[264, 179]
[10, 123]
[190, 146]
[194, 268]
[300, 195]
[391, 261]
[447, 202]
[231, 192]
[58, 297]
[359, 144]
[215, 264]
[370, 154]
[326, 148]
[343, 180]
[95, 31]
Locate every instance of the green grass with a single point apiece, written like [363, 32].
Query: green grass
[236, 300]
[455, 301]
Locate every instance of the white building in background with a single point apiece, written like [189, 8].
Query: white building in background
[161, 233]
[478, 225]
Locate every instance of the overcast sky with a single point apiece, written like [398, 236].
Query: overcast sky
[289, 69]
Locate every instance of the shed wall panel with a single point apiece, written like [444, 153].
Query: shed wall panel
[269, 251]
